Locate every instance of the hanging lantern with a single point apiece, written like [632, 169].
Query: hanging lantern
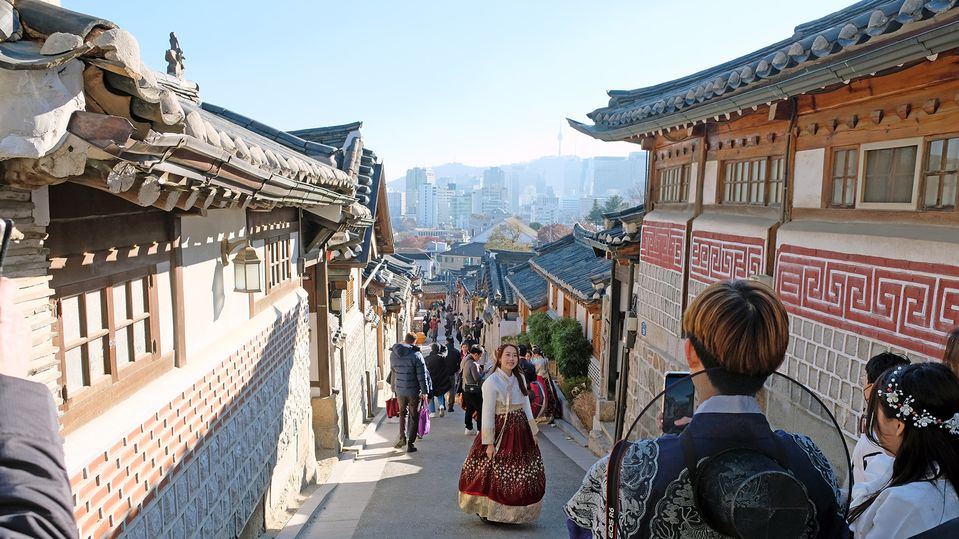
[247, 266]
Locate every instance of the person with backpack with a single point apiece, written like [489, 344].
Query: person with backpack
[411, 383]
[737, 332]
[440, 376]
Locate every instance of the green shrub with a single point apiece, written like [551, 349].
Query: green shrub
[571, 348]
[539, 327]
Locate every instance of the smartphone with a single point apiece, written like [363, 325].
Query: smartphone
[678, 400]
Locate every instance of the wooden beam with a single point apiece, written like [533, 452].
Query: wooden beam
[931, 105]
[876, 116]
[903, 110]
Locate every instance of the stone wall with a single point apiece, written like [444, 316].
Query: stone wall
[235, 443]
[26, 263]
[358, 363]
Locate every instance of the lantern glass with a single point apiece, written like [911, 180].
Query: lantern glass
[246, 270]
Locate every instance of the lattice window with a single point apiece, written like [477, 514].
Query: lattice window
[279, 257]
[845, 171]
[674, 184]
[105, 325]
[941, 174]
[757, 182]
[350, 294]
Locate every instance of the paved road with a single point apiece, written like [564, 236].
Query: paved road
[386, 493]
[417, 494]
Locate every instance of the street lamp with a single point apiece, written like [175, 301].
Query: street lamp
[246, 265]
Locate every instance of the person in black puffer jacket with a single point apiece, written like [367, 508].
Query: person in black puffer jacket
[411, 383]
[439, 374]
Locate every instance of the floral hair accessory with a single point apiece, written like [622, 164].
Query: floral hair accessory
[902, 404]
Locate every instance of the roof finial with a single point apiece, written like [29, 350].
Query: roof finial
[175, 57]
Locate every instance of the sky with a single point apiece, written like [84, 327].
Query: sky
[481, 83]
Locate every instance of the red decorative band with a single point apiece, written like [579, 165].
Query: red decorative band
[907, 304]
[721, 257]
[664, 245]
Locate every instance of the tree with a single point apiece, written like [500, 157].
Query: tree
[614, 203]
[637, 194]
[415, 242]
[595, 214]
[552, 232]
[538, 327]
[535, 225]
[508, 237]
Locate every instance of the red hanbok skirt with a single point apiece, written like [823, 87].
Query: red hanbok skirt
[510, 487]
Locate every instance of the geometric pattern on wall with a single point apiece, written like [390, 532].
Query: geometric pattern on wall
[722, 257]
[907, 304]
[663, 244]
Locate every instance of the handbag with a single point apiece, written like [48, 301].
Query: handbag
[472, 389]
[392, 407]
[424, 426]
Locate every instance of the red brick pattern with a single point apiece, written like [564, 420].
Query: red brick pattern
[663, 245]
[907, 304]
[132, 474]
[721, 257]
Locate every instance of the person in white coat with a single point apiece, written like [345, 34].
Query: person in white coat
[913, 414]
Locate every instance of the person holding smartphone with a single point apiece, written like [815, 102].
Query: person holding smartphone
[737, 332]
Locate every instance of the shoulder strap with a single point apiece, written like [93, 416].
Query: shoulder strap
[613, 468]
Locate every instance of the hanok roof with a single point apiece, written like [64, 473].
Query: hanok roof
[144, 135]
[418, 254]
[472, 249]
[493, 272]
[622, 229]
[528, 285]
[334, 135]
[571, 263]
[865, 38]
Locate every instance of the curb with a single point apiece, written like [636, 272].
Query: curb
[571, 431]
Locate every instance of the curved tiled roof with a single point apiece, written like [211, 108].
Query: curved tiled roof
[571, 263]
[528, 285]
[832, 50]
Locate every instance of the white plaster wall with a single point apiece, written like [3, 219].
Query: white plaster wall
[710, 180]
[740, 225]
[214, 307]
[931, 244]
[808, 178]
[693, 182]
[581, 316]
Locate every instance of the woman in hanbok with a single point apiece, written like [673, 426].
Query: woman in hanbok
[503, 479]
[544, 401]
[913, 414]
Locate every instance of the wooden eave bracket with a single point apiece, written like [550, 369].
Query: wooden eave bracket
[903, 110]
[931, 106]
[876, 116]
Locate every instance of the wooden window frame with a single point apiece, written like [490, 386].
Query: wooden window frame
[828, 177]
[274, 265]
[765, 182]
[350, 294]
[925, 173]
[85, 403]
[681, 188]
[918, 143]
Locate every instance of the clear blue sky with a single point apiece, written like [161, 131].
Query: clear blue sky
[481, 83]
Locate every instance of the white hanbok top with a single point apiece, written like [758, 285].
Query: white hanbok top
[501, 394]
[904, 511]
[871, 468]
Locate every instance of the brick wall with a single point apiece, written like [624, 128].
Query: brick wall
[200, 465]
[659, 293]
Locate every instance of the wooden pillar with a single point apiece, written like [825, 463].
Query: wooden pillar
[322, 295]
[176, 289]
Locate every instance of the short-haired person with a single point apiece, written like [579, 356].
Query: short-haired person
[913, 414]
[411, 383]
[951, 356]
[737, 331]
[869, 461]
[526, 366]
